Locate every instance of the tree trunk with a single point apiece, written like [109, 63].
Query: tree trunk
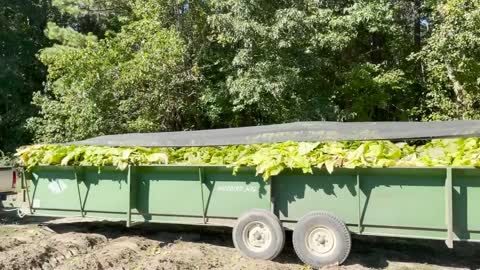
[417, 39]
[463, 103]
[376, 48]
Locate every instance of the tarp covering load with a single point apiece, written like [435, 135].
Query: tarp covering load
[298, 131]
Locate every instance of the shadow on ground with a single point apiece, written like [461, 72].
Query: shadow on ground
[367, 252]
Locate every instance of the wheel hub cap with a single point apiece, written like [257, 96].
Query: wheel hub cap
[320, 240]
[257, 236]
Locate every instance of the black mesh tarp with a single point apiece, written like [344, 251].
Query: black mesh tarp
[299, 131]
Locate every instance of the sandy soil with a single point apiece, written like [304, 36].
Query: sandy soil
[39, 244]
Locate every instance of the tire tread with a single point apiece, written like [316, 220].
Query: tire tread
[342, 226]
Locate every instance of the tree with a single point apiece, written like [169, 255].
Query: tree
[158, 65]
[135, 80]
[21, 36]
[314, 60]
[452, 60]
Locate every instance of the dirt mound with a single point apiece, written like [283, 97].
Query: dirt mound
[142, 253]
[121, 253]
[192, 256]
[93, 247]
[48, 252]
[101, 246]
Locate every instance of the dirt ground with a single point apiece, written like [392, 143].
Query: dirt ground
[59, 244]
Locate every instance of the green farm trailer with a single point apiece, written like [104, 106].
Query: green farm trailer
[322, 209]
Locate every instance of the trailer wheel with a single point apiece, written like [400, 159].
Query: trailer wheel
[320, 239]
[259, 234]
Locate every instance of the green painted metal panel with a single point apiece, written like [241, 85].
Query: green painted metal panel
[391, 202]
[54, 188]
[194, 220]
[413, 232]
[472, 236]
[228, 195]
[68, 188]
[466, 199]
[403, 197]
[296, 194]
[176, 192]
[103, 191]
[395, 202]
[168, 191]
[96, 215]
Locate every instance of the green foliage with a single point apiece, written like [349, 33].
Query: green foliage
[95, 16]
[130, 81]
[68, 36]
[80, 8]
[117, 66]
[313, 59]
[21, 36]
[131, 66]
[451, 57]
[268, 159]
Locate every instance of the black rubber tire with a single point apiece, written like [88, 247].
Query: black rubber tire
[275, 227]
[343, 242]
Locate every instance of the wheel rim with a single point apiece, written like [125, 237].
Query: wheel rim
[257, 236]
[320, 241]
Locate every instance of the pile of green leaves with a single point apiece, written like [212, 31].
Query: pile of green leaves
[268, 159]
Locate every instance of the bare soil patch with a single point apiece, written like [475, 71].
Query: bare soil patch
[36, 244]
